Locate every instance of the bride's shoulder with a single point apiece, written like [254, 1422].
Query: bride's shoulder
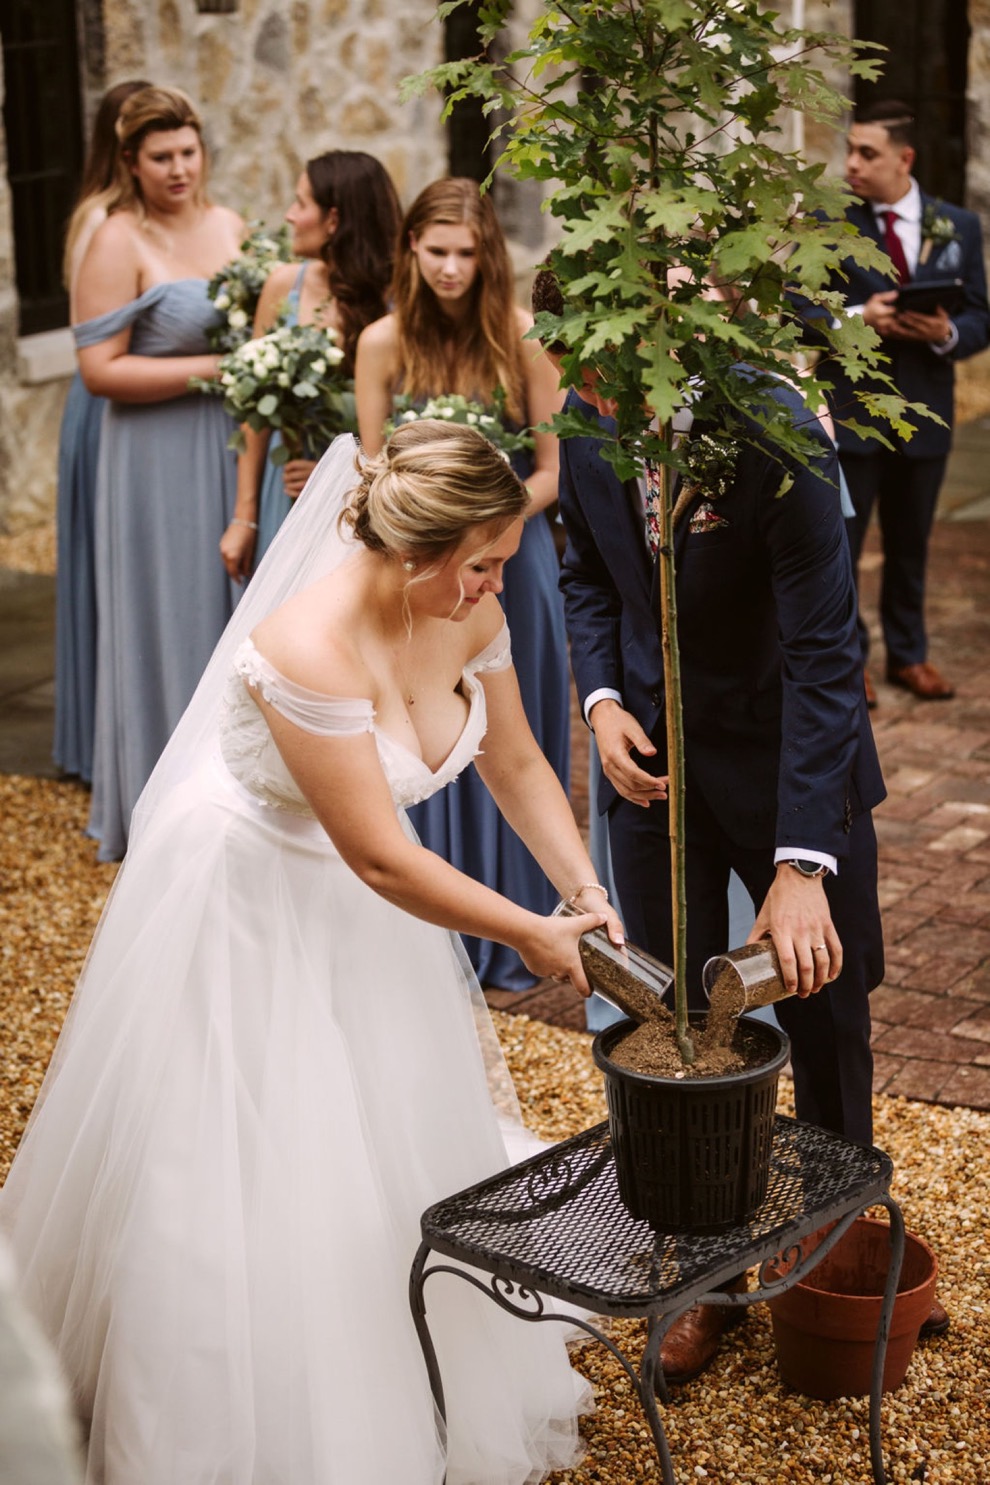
[487, 638]
[309, 643]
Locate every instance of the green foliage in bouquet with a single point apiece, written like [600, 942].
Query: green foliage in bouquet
[457, 409]
[236, 287]
[288, 380]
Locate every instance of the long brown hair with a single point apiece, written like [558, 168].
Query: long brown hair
[486, 354]
[99, 167]
[361, 254]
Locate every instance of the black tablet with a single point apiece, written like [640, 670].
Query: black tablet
[929, 295]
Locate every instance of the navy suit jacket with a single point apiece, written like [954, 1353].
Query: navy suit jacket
[777, 736]
[918, 372]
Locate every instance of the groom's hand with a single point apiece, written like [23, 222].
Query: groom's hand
[619, 735]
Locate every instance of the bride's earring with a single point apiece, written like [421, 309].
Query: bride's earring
[409, 565]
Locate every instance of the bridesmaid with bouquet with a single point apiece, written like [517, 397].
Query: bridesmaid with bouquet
[166, 481]
[344, 219]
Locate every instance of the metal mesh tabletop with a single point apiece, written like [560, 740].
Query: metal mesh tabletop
[555, 1223]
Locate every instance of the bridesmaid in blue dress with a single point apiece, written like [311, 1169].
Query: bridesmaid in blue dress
[456, 329]
[345, 219]
[165, 480]
[78, 450]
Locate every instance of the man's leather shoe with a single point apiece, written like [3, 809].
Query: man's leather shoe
[871, 695]
[692, 1342]
[937, 1323]
[922, 680]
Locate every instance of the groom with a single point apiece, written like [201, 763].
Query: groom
[781, 767]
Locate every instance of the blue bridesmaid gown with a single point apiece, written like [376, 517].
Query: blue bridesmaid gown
[461, 823]
[165, 492]
[75, 581]
[273, 503]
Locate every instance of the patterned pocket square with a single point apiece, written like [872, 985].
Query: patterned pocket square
[706, 518]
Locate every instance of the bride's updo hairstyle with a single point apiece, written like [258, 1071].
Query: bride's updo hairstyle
[431, 484]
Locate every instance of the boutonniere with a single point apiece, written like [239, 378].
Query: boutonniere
[936, 232]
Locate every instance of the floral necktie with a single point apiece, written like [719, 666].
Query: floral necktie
[653, 493]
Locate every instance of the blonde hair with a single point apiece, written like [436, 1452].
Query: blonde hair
[152, 110]
[486, 353]
[432, 483]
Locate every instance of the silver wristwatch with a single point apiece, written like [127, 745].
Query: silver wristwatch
[805, 867]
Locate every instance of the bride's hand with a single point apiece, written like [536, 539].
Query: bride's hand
[552, 952]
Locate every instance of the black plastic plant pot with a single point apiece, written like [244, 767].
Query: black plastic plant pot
[693, 1154]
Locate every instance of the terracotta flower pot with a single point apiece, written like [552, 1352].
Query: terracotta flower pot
[825, 1327]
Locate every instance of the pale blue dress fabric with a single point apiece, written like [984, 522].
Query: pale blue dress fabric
[462, 823]
[165, 494]
[273, 503]
[75, 581]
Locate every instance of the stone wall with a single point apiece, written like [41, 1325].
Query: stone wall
[278, 81]
[281, 80]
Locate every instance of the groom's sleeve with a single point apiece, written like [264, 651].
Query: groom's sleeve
[592, 603]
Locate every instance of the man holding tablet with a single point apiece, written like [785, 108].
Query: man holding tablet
[931, 311]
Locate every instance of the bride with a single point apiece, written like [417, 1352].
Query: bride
[277, 1056]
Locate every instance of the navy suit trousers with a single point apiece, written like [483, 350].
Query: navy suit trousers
[905, 492]
[830, 1032]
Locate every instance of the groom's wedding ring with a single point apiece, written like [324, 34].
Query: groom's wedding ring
[817, 948]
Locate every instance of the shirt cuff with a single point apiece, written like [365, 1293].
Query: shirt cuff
[604, 693]
[950, 344]
[791, 853]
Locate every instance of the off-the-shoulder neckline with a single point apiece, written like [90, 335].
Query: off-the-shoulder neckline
[468, 674]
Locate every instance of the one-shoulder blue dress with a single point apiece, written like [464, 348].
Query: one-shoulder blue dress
[461, 823]
[75, 581]
[165, 492]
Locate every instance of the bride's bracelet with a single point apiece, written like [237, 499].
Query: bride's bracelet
[240, 521]
[584, 887]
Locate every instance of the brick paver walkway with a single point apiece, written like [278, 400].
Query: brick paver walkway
[932, 1012]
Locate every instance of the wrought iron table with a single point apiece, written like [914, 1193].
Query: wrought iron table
[553, 1226]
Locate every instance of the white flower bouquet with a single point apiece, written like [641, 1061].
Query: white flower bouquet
[288, 380]
[236, 287]
[457, 409]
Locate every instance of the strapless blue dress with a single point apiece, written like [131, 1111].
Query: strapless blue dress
[462, 824]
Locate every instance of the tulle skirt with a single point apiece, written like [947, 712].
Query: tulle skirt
[267, 1073]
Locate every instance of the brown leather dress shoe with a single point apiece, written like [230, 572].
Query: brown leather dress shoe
[868, 687]
[937, 1323]
[692, 1342]
[922, 680]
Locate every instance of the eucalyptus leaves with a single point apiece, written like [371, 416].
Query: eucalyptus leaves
[236, 287]
[290, 381]
[457, 409]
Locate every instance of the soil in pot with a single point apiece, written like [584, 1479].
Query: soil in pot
[636, 983]
[825, 1327]
[692, 1153]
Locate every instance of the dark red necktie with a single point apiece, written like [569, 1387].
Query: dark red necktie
[894, 247]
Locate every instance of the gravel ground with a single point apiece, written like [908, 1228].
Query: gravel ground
[736, 1424]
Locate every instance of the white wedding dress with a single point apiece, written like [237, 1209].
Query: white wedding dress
[266, 1075]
